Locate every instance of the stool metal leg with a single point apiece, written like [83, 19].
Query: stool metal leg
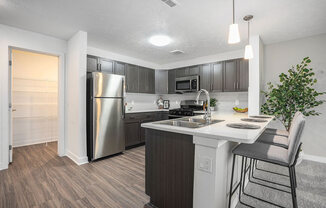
[244, 175]
[293, 191]
[295, 176]
[230, 194]
[241, 178]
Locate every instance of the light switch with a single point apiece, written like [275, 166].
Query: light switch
[205, 164]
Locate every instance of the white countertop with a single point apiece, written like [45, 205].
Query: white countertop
[148, 110]
[219, 130]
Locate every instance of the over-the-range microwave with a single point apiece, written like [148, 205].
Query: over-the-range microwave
[187, 84]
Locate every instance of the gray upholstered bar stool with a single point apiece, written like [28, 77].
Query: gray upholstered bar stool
[277, 137]
[271, 154]
[279, 132]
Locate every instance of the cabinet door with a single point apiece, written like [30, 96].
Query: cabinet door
[217, 77]
[194, 70]
[182, 72]
[243, 75]
[92, 63]
[161, 82]
[172, 74]
[106, 65]
[119, 68]
[132, 133]
[132, 78]
[143, 80]
[151, 81]
[205, 77]
[142, 131]
[230, 76]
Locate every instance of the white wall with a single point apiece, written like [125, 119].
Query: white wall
[34, 97]
[255, 76]
[279, 58]
[10, 36]
[76, 98]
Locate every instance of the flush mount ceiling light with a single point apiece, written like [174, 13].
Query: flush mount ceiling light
[249, 54]
[234, 35]
[160, 40]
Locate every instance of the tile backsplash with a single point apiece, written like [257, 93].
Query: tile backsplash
[225, 100]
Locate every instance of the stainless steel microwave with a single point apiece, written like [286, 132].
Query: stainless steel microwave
[187, 84]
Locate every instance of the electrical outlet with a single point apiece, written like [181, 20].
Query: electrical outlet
[205, 164]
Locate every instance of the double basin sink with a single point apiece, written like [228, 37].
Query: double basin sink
[189, 122]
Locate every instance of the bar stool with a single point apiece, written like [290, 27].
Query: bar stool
[271, 154]
[279, 138]
[279, 132]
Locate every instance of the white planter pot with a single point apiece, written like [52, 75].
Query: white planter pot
[300, 158]
[212, 108]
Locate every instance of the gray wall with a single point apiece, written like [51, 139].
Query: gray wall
[279, 58]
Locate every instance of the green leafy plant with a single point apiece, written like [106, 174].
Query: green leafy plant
[294, 93]
[213, 102]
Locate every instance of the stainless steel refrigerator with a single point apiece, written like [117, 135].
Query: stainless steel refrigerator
[105, 114]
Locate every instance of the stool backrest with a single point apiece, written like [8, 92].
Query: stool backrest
[294, 118]
[295, 136]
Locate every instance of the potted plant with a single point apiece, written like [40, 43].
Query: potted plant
[212, 102]
[295, 92]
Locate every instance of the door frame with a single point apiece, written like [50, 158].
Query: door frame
[61, 98]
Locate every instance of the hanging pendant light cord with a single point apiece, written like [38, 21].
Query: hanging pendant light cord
[233, 15]
[248, 32]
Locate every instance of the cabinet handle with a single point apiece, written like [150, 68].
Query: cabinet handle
[237, 85]
[234, 85]
[211, 87]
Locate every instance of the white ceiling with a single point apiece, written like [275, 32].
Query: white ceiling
[198, 27]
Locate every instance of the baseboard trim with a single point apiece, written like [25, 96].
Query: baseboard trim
[39, 141]
[76, 159]
[314, 158]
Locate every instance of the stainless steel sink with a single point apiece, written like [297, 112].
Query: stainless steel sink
[189, 122]
[181, 123]
[201, 120]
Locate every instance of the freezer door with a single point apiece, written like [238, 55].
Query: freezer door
[108, 85]
[108, 124]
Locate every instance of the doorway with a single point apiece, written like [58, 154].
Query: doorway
[34, 98]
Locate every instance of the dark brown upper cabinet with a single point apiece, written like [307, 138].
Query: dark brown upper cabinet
[106, 65]
[146, 80]
[217, 77]
[230, 76]
[243, 75]
[205, 77]
[171, 79]
[194, 70]
[119, 68]
[132, 80]
[92, 63]
[182, 72]
[161, 82]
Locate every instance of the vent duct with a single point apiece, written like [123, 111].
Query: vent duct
[177, 52]
[170, 3]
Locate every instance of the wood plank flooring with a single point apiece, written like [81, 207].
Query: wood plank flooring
[39, 178]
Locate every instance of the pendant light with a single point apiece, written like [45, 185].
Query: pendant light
[249, 54]
[234, 35]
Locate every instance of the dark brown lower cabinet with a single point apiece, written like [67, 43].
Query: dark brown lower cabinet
[169, 168]
[135, 134]
[132, 133]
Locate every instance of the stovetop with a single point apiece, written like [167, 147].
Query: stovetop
[182, 112]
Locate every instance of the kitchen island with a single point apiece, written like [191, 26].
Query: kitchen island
[191, 167]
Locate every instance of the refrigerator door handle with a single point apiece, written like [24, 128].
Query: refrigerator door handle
[123, 99]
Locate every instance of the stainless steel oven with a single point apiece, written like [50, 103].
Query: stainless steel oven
[187, 84]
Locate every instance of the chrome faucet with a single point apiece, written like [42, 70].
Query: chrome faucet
[208, 114]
